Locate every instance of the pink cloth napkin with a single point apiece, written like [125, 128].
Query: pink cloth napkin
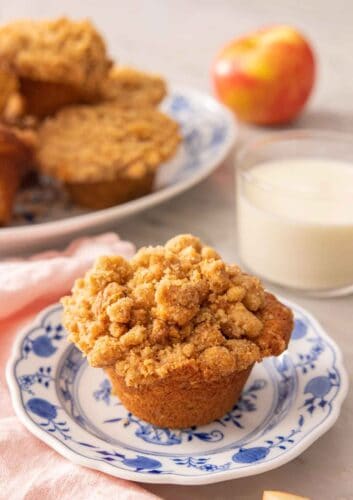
[29, 469]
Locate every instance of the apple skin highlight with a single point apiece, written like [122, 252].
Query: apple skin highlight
[265, 77]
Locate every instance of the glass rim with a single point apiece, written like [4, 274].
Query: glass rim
[259, 143]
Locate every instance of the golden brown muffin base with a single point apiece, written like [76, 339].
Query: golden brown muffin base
[183, 399]
[15, 159]
[10, 178]
[8, 85]
[177, 401]
[46, 98]
[99, 195]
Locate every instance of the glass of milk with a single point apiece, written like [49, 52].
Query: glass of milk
[295, 210]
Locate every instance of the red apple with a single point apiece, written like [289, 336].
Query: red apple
[265, 77]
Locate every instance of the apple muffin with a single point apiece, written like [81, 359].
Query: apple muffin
[176, 330]
[130, 88]
[16, 160]
[106, 155]
[58, 62]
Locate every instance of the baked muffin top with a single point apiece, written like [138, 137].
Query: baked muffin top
[95, 143]
[173, 307]
[131, 88]
[60, 51]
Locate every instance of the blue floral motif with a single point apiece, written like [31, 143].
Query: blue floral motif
[192, 141]
[319, 387]
[307, 361]
[201, 463]
[43, 345]
[104, 392]
[300, 329]
[286, 389]
[165, 437]
[307, 395]
[258, 453]
[48, 411]
[42, 408]
[218, 135]
[67, 377]
[41, 376]
[142, 463]
[179, 104]
[139, 463]
[249, 455]
[246, 403]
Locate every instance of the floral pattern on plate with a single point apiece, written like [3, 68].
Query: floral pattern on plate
[287, 403]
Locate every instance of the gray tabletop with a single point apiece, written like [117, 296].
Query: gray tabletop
[179, 39]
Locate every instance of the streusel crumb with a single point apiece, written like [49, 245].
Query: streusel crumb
[169, 307]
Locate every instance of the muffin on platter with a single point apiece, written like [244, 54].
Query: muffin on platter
[176, 330]
[58, 62]
[105, 155]
[131, 88]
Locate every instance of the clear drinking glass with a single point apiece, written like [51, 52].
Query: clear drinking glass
[295, 214]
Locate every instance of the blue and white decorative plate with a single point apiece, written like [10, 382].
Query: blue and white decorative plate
[286, 405]
[208, 132]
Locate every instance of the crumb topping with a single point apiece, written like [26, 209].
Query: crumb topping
[170, 306]
[61, 51]
[131, 88]
[97, 143]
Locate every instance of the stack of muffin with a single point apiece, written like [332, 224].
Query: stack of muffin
[68, 112]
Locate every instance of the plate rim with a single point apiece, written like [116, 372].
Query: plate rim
[81, 221]
[216, 477]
